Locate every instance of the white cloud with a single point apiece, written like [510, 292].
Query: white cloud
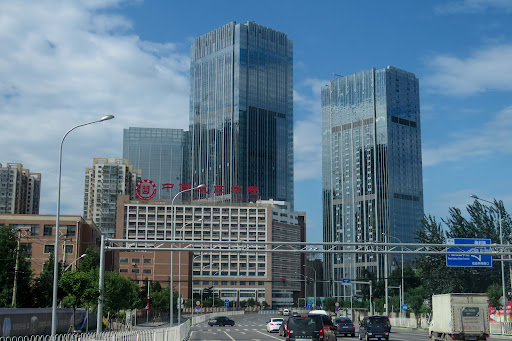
[307, 131]
[64, 63]
[481, 142]
[473, 6]
[485, 70]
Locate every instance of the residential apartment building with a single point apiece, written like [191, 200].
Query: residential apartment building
[241, 114]
[371, 167]
[20, 190]
[37, 237]
[161, 154]
[234, 272]
[104, 182]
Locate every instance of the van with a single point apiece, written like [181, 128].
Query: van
[374, 327]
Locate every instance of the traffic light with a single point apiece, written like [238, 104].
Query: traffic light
[332, 281]
[284, 280]
[149, 302]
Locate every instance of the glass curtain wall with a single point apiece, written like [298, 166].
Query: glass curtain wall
[241, 113]
[371, 167]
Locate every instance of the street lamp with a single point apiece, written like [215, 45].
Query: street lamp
[314, 287]
[173, 231]
[402, 290]
[56, 247]
[70, 264]
[501, 257]
[179, 269]
[305, 288]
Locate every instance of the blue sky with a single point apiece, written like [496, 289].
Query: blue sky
[63, 63]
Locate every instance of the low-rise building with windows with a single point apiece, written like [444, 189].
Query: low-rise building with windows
[232, 272]
[37, 233]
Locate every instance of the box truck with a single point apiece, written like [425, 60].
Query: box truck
[459, 317]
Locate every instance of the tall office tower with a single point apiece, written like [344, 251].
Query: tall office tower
[241, 113]
[20, 190]
[104, 181]
[161, 154]
[371, 167]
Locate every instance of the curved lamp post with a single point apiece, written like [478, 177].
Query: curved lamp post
[173, 231]
[56, 247]
[501, 257]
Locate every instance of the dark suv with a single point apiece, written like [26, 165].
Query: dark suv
[311, 327]
[374, 327]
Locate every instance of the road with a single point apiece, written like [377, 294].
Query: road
[253, 327]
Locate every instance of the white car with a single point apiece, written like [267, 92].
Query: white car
[286, 312]
[274, 324]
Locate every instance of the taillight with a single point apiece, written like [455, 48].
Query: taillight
[287, 332]
[321, 333]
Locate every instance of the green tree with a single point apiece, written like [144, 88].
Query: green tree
[79, 289]
[91, 261]
[120, 293]
[8, 252]
[482, 222]
[43, 285]
[495, 292]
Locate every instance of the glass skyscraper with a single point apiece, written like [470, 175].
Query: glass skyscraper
[241, 113]
[161, 154]
[372, 183]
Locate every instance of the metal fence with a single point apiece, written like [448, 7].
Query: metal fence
[178, 333]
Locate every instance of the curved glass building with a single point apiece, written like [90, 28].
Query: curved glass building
[372, 183]
[241, 114]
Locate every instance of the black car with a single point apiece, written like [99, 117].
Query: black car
[283, 328]
[310, 327]
[344, 326]
[221, 321]
[374, 327]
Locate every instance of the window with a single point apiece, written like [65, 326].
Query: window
[48, 248]
[70, 230]
[123, 270]
[146, 271]
[34, 230]
[123, 260]
[26, 248]
[136, 271]
[135, 260]
[47, 230]
[69, 249]
[147, 260]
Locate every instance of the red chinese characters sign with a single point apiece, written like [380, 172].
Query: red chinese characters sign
[146, 189]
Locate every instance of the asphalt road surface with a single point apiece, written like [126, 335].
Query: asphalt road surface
[253, 327]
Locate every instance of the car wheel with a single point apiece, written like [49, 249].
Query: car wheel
[367, 338]
[353, 334]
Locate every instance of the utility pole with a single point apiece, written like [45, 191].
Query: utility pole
[16, 267]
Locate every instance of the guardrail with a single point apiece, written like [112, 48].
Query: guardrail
[177, 333]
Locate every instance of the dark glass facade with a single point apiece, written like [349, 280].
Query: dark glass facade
[161, 155]
[372, 183]
[241, 113]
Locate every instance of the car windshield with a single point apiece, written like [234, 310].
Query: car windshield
[277, 320]
[305, 323]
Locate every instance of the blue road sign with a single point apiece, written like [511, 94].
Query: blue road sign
[310, 305]
[466, 260]
[345, 280]
[405, 307]
[226, 303]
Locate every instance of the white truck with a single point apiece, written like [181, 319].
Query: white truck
[459, 317]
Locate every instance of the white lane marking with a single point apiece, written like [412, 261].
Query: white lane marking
[229, 336]
[268, 335]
